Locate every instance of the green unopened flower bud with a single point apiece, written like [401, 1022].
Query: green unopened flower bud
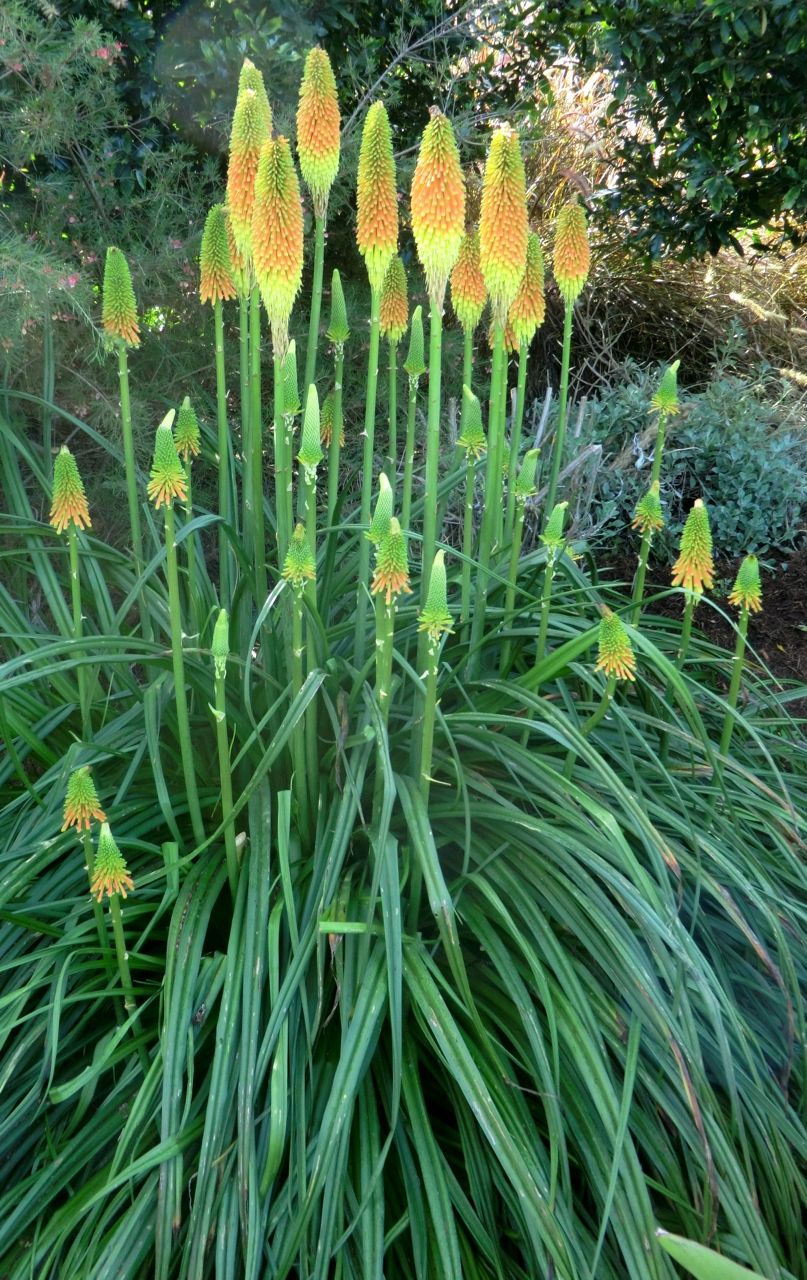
[81, 803]
[747, 590]
[379, 525]
[415, 364]
[435, 618]
[311, 454]
[616, 657]
[472, 439]
[220, 647]
[299, 566]
[525, 480]
[648, 516]
[291, 394]
[119, 309]
[187, 436]
[666, 398]
[338, 330]
[552, 535]
[110, 873]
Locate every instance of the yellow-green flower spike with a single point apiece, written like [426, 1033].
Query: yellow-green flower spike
[239, 262]
[616, 657]
[118, 305]
[438, 204]
[376, 196]
[666, 398]
[391, 576]
[277, 237]
[299, 566]
[291, 394]
[311, 454]
[747, 590]
[525, 480]
[503, 229]
[187, 436]
[694, 568]
[415, 363]
[435, 619]
[572, 255]
[167, 480]
[648, 516]
[393, 311]
[220, 648]
[337, 331]
[318, 124]
[68, 499]
[110, 872]
[251, 129]
[326, 422]
[468, 290]
[552, 535]
[472, 439]
[81, 803]
[379, 525]
[216, 283]
[528, 308]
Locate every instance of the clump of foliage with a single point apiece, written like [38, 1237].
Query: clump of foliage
[445, 910]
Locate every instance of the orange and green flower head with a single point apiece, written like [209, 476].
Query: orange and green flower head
[694, 568]
[239, 262]
[393, 307]
[81, 803]
[415, 362]
[216, 283]
[552, 536]
[468, 291]
[747, 590]
[616, 657]
[251, 129]
[524, 486]
[118, 306]
[68, 499]
[666, 398]
[318, 124]
[311, 454]
[220, 648]
[472, 438]
[438, 204]
[299, 566]
[572, 255]
[435, 619]
[110, 873]
[382, 515]
[376, 196]
[326, 418]
[187, 436]
[528, 308]
[648, 516]
[338, 331]
[277, 237]
[503, 229]
[291, 394]
[391, 576]
[167, 480]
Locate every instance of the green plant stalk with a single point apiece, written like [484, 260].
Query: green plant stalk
[360, 631]
[298, 747]
[225, 515]
[563, 399]
[391, 467]
[183, 722]
[97, 910]
[258, 540]
[225, 783]
[129, 1002]
[78, 630]
[546, 598]
[190, 543]
[647, 538]
[493, 496]
[246, 451]
[429, 710]
[282, 466]
[591, 724]
[686, 628]
[515, 441]
[409, 452]
[512, 578]
[131, 480]
[311, 747]
[384, 644]
[467, 540]
[736, 680]
[316, 304]
[432, 456]
[467, 371]
[336, 435]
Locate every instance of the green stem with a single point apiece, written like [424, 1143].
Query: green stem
[282, 464]
[298, 750]
[409, 452]
[641, 573]
[129, 1002]
[391, 467]
[131, 479]
[658, 451]
[226, 784]
[429, 709]
[336, 436]
[546, 597]
[190, 543]
[246, 449]
[512, 577]
[180, 693]
[467, 371]
[563, 398]
[430, 494]
[360, 631]
[258, 540]
[594, 719]
[736, 679]
[316, 303]
[493, 496]
[467, 540]
[225, 514]
[78, 630]
[384, 644]
[515, 442]
[686, 629]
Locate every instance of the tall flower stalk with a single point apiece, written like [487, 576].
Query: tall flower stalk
[338, 334]
[318, 123]
[523, 488]
[69, 513]
[377, 238]
[648, 517]
[694, 569]
[746, 595]
[187, 439]
[616, 660]
[220, 650]
[435, 621]
[299, 570]
[393, 321]
[525, 318]
[472, 441]
[414, 367]
[167, 482]
[242, 279]
[571, 263]
[555, 543]
[217, 286]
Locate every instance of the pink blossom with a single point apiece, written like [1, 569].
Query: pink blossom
[104, 52]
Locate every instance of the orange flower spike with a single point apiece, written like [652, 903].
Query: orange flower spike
[69, 501]
[81, 803]
[468, 291]
[119, 308]
[251, 128]
[318, 123]
[572, 255]
[391, 576]
[616, 657]
[694, 568]
[503, 229]
[110, 872]
[438, 204]
[216, 283]
[239, 264]
[277, 237]
[393, 307]
[167, 475]
[376, 196]
[528, 308]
